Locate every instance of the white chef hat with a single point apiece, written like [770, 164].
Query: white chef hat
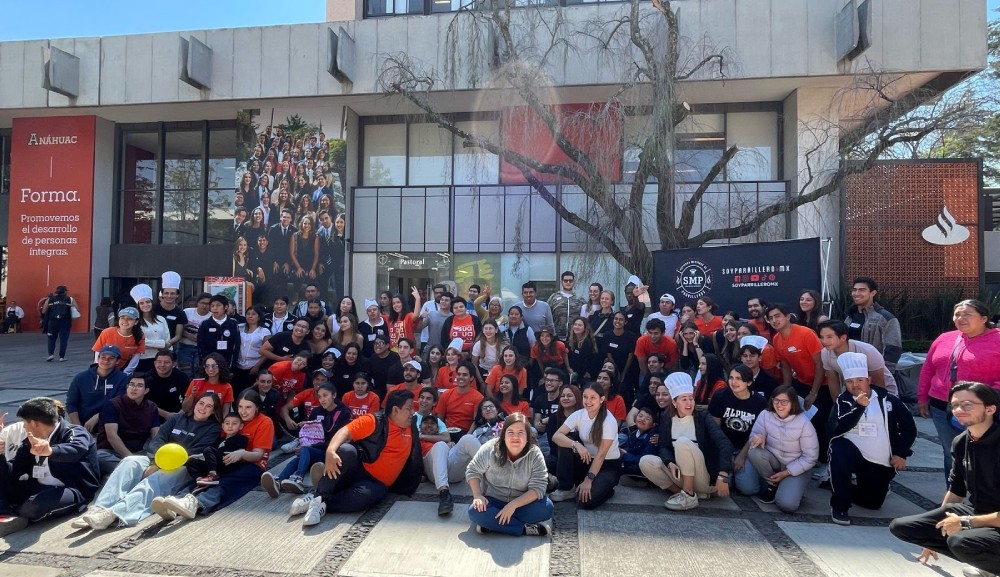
[456, 344]
[756, 341]
[171, 280]
[140, 292]
[370, 303]
[679, 384]
[853, 365]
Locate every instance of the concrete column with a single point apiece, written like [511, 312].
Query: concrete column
[104, 206]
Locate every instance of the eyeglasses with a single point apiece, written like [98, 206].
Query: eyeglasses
[211, 366]
[781, 402]
[486, 407]
[964, 406]
[137, 385]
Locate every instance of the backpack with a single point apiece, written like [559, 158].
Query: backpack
[59, 308]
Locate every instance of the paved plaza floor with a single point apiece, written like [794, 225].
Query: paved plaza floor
[631, 535]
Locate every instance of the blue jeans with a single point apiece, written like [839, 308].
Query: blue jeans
[747, 481]
[300, 464]
[187, 359]
[534, 512]
[130, 497]
[946, 434]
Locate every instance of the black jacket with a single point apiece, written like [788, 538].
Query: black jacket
[902, 429]
[976, 470]
[73, 460]
[714, 443]
[371, 447]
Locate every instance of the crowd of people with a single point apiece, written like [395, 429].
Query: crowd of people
[549, 400]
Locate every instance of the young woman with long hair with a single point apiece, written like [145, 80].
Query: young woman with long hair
[588, 469]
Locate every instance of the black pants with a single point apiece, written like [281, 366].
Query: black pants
[35, 501]
[354, 489]
[823, 404]
[873, 480]
[977, 547]
[570, 471]
[58, 329]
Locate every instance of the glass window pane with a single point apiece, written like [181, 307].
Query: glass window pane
[221, 224]
[221, 158]
[430, 155]
[182, 167]
[385, 155]
[756, 135]
[139, 222]
[389, 219]
[412, 231]
[182, 211]
[438, 210]
[703, 123]
[477, 165]
[140, 163]
[365, 219]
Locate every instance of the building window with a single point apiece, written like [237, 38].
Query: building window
[177, 182]
[379, 8]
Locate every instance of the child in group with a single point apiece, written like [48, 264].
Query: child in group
[637, 443]
[206, 468]
[361, 400]
[314, 435]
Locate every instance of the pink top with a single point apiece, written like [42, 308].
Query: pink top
[978, 360]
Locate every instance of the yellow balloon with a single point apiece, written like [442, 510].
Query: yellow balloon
[170, 457]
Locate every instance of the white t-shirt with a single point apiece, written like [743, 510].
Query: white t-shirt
[875, 363]
[871, 434]
[670, 320]
[582, 424]
[487, 357]
[194, 322]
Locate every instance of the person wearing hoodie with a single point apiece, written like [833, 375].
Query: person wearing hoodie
[783, 450]
[873, 437]
[968, 533]
[53, 473]
[91, 389]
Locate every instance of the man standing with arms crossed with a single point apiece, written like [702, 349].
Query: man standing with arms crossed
[565, 306]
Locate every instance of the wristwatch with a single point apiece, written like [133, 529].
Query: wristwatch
[592, 476]
[966, 522]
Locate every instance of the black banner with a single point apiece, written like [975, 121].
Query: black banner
[774, 271]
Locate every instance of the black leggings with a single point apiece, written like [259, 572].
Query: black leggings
[571, 471]
[354, 489]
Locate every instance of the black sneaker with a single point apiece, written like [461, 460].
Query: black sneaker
[445, 504]
[767, 494]
[536, 529]
[483, 530]
[826, 485]
[840, 517]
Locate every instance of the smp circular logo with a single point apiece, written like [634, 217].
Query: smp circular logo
[694, 279]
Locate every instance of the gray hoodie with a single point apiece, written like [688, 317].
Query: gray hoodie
[512, 479]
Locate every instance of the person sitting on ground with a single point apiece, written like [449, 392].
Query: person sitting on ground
[488, 422]
[735, 410]
[695, 456]
[647, 400]
[616, 404]
[361, 400]
[411, 377]
[784, 448]
[637, 443]
[444, 461]
[93, 388]
[314, 434]
[458, 407]
[508, 365]
[871, 442]
[968, 533]
[711, 382]
[588, 469]
[128, 495]
[213, 376]
[508, 479]
[53, 473]
[372, 455]
[127, 423]
[510, 399]
[751, 349]
[207, 469]
[127, 337]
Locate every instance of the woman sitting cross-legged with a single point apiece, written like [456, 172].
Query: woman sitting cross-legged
[783, 450]
[512, 469]
[588, 470]
[128, 495]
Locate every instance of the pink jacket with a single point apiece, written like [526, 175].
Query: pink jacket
[978, 360]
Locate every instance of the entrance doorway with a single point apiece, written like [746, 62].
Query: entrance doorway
[400, 282]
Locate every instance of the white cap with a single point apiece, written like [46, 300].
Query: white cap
[668, 297]
[370, 303]
[332, 351]
[756, 341]
[140, 292]
[171, 280]
[679, 384]
[456, 344]
[853, 365]
[633, 280]
[413, 363]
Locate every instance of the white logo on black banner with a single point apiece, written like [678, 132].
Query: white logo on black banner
[694, 279]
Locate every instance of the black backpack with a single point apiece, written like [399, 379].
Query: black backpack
[59, 308]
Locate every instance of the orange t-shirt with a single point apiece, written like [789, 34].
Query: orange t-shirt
[522, 407]
[307, 399]
[493, 379]
[199, 386]
[458, 409]
[260, 431]
[445, 378]
[708, 329]
[464, 329]
[287, 381]
[111, 336]
[402, 328]
[402, 387]
[558, 358]
[797, 351]
[769, 363]
[763, 329]
[644, 347]
[361, 407]
[616, 407]
[397, 448]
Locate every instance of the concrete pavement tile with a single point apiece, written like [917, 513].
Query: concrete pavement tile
[926, 454]
[655, 497]
[925, 426]
[930, 485]
[460, 489]
[269, 540]
[104, 573]
[12, 570]
[853, 551]
[61, 539]
[412, 540]
[817, 502]
[698, 546]
[12, 396]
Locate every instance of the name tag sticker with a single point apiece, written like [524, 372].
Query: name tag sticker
[221, 345]
[866, 429]
[613, 345]
[855, 326]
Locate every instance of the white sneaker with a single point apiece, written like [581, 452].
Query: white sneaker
[822, 474]
[186, 506]
[159, 507]
[563, 495]
[681, 502]
[98, 518]
[79, 523]
[971, 571]
[290, 446]
[301, 505]
[317, 508]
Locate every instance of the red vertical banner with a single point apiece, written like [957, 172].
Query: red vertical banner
[51, 212]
